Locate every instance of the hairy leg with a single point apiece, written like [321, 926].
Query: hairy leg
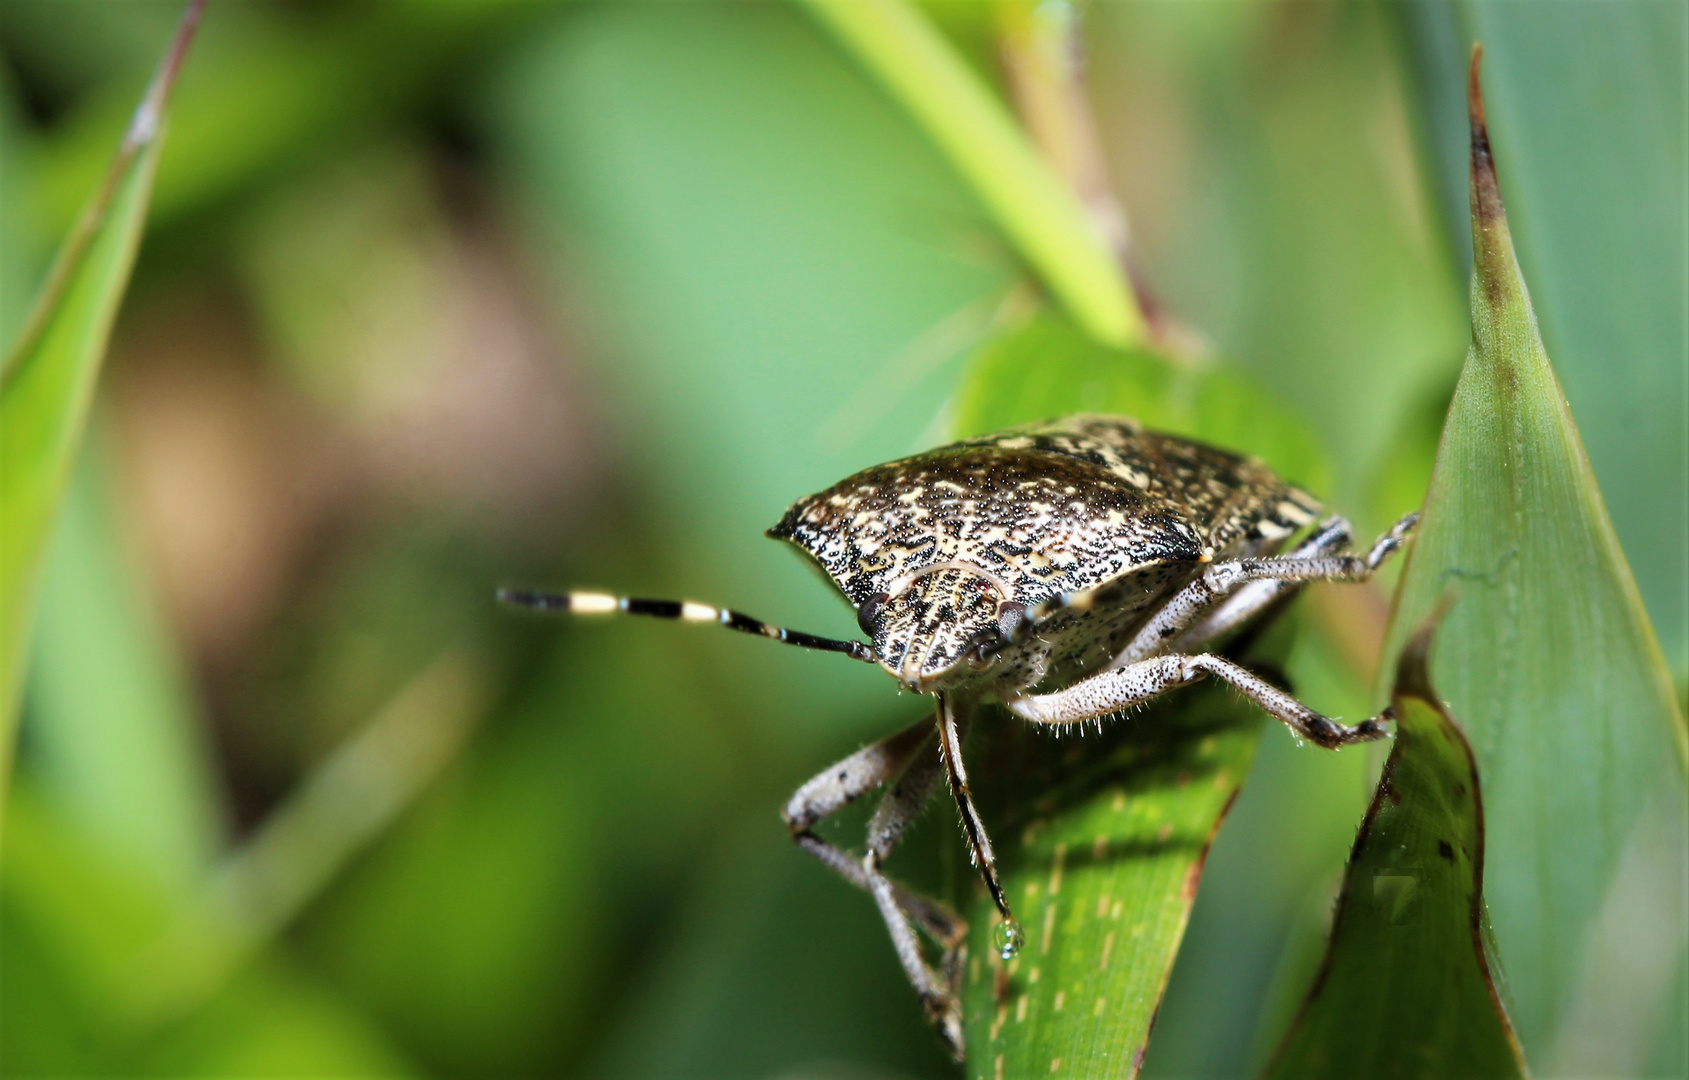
[909, 761]
[845, 781]
[1251, 584]
[1248, 600]
[1110, 691]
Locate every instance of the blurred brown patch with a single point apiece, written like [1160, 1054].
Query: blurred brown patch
[225, 478]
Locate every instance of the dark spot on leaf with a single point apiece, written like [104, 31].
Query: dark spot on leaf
[1445, 850]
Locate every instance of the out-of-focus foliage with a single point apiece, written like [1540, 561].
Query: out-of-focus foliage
[1029, 201]
[131, 737]
[444, 296]
[47, 375]
[1046, 368]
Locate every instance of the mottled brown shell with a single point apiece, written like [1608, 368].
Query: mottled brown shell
[1029, 514]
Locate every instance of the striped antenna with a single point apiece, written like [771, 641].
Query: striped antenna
[593, 603]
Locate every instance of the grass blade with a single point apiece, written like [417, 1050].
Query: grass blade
[1101, 842]
[1406, 988]
[1548, 657]
[48, 379]
[1036, 211]
[100, 747]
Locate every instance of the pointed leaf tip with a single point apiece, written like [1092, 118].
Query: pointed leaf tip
[47, 378]
[1492, 247]
[1483, 164]
[1549, 660]
[144, 125]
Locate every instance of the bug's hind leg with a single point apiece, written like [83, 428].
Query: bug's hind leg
[910, 761]
[1243, 603]
[1229, 592]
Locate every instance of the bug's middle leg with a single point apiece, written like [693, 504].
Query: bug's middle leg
[1109, 691]
[1248, 600]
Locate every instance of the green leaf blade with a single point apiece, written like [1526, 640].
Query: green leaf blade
[45, 400]
[50, 373]
[1406, 988]
[1592, 120]
[1046, 368]
[1548, 656]
[1101, 844]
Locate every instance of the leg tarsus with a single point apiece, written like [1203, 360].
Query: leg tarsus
[1390, 541]
[938, 993]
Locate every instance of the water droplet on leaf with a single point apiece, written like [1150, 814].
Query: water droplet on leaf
[1008, 938]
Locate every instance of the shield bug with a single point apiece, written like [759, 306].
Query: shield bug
[1068, 570]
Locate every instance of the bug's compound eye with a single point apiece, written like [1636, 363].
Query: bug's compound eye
[870, 610]
[1010, 615]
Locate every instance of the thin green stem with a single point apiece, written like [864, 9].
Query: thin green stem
[1035, 210]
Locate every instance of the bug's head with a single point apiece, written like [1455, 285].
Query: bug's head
[938, 627]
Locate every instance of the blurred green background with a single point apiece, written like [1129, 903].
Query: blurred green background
[442, 296]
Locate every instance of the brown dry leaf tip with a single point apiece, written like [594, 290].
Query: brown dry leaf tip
[1491, 246]
[1475, 100]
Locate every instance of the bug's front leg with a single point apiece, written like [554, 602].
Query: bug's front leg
[845, 781]
[910, 761]
[954, 718]
[1110, 691]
